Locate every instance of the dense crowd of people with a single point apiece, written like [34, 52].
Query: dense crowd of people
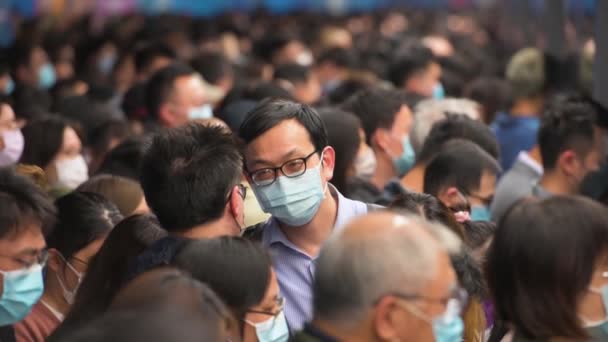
[394, 176]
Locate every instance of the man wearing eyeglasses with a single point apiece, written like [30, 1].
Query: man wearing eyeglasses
[401, 285]
[25, 214]
[289, 165]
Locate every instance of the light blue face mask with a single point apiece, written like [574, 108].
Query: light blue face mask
[407, 159]
[10, 87]
[449, 326]
[273, 330]
[22, 289]
[438, 91]
[480, 213]
[293, 201]
[202, 112]
[46, 76]
[106, 64]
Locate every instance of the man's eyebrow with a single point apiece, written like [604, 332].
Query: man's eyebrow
[285, 157]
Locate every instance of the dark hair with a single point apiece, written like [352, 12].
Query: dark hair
[428, 207]
[376, 107]
[177, 300]
[108, 269]
[458, 127]
[568, 123]
[82, 217]
[43, 140]
[541, 262]
[265, 90]
[102, 135]
[212, 66]
[346, 89]
[478, 232]
[460, 164]
[340, 57]
[226, 264]
[161, 85]
[272, 112]
[343, 133]
[409, 60]
[493, 94]
[124, 160]
[187, 174]
[147, 53]
[23, 203]
[292, 72]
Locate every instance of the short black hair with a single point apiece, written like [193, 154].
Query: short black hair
[101, 136]
[340, 57]
[22, 203]
[124, 160]
[343, 133]
[226, 264]
[161, 85]
[456, 126]
[43, 140]
[292, 72]
[187, 174]
[567, 123]
[146, 53]
[82, 217]
[376, 107]
[541, 262]
[460, 164]
[272, 112]
[212, 66]
[265, 90]
[409, 60]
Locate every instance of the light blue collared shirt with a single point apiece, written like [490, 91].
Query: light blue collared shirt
[295, 269]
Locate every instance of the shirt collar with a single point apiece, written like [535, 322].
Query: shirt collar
[525, 158]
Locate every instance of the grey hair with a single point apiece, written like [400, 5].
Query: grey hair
[431, 111]
[352, 274]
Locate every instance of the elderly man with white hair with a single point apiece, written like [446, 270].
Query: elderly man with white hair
[386, 277]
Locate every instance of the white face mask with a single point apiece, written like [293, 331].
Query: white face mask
[202, 112]
[13, 147]
[365, 164]
[72, 172]
[70, 295]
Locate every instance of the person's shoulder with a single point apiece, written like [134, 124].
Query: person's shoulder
[256, 231]
[37, 325]
[160, 253]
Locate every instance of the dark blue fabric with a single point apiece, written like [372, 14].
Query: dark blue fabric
[514, 134]
[160, 253]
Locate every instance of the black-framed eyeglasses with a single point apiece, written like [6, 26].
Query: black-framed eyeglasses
[291, 168]
[280, 301]
[38, 259]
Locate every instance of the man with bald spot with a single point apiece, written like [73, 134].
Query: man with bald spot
[386, 277]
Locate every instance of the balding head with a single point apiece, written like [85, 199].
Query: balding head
[375, 255]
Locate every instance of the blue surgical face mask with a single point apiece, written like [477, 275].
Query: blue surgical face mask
[46, 76]
[407, 159]
[22, 289]
[293, 201]
[273, 330]
[438, 91]
[449, 326]
[202, 112]
[106, 63]
[10, 87]
[480, 213]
